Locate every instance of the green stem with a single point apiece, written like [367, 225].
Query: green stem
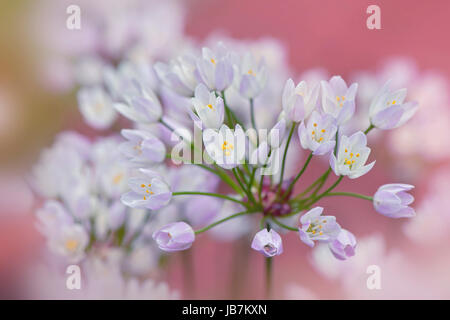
[209, 194]
[212, 225]
[282, 225]
[350, 194]
[291, 186]
[252, 117]
[369, 129]
[314, 200]
[283, 164]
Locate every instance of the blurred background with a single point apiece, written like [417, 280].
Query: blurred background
[38, 85]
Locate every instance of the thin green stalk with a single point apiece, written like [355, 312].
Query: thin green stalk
[369, 129]
[283, 164]
[242, 184]
[252, 117]
[212, 225]
[209, 194]
[350, 194]
[314, 200]
[282, 225]
[291, 186]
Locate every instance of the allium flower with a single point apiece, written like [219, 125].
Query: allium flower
[276, 134]
[338, 100]
[215, 68]
[344, 245]
[175, 236]
[209, 109]
[387, 110]
[260, 155]
[251, 76]
[179, 75]
[226, 147]
[141, 106]
[142, 147]
[147, 191]
[70, 242]
[96, 107]
[315, 227]
[392, 200]
[319, 134]
[352, 155]
[52, 216]
[299, 101]
[269, 243]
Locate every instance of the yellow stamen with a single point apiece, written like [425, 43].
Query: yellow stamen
[117, 178]
[71, 244]
[213, 61]
[210, 106]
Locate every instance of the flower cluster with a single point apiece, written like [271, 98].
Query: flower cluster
[248, 159]
[198, 126]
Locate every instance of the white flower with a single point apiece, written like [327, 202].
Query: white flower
[387, 110]
[276, 134]
[260, 155]
[352, 155]
[251, 76]
[70, 242]
[96, 107]
[226, 147]
[299, 101]
[338, 100]
[209, 109]
[319, 133]
[179, 75]
[141, 105]
[214, 68]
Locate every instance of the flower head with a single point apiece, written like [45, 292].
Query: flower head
[392, 200]
[71, 241]
[319, 134]
[315, 227]
[344, 245]
[387, 110]
[142, 147]
[299, 101]
[276, 134]
[175, 236]
[141, 105]
[179, 75]
[215, 68]
[351, 157]
[251, 76]
[96, 107]
[147, 191]
[226, 147]
[209, 109]
[338, 100]
[269, 243]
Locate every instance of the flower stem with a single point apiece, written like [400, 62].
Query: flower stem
[252, 117]
[283, 164]
[282, 225]
[216, 195]
[350, 194]
[299, 174]
[320, 196]
[212, 225]
[369, 129]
